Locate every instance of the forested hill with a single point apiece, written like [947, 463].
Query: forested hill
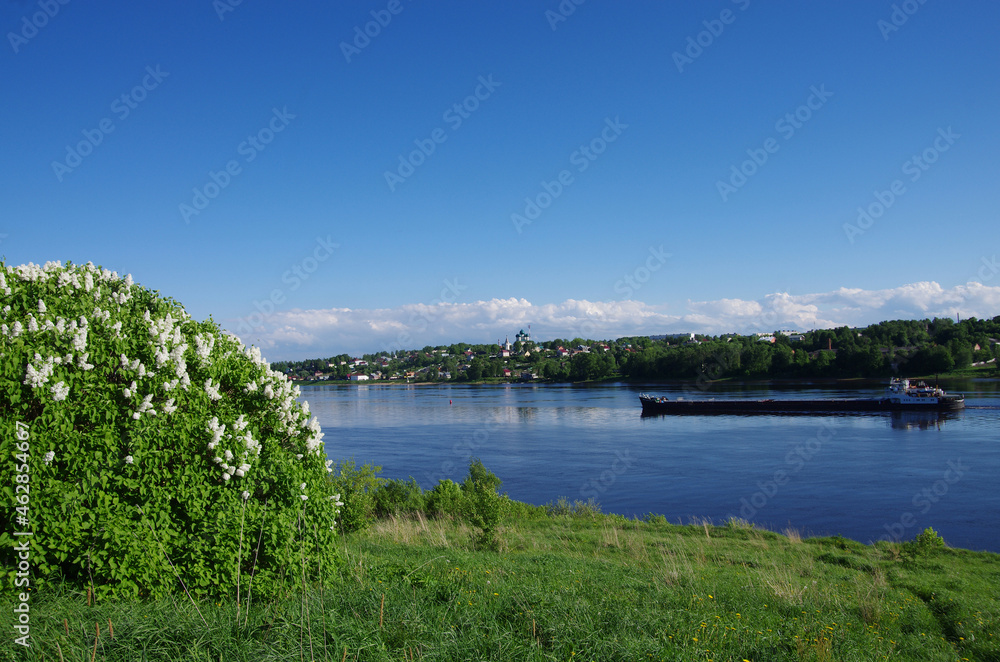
[905, 347]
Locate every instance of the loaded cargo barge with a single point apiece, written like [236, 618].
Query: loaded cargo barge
[900, 395]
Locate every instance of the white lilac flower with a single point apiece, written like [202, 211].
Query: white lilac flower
[37, 377]
[251, 387]
[60, 391]
[41, 306]
[245, 495]
[226, 476]
[81, 362]
[228, 455]
[32, 324]
[51, 455]
[129, 459]
[80, 340]
[303, 497]
[169, 407]
[212, 390]
[302, 486]
[240, 473]
[204, 345]
[146, 405]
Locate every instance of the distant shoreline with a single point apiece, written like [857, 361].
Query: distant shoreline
[780, 382]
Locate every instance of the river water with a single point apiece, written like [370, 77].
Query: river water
[863, 476]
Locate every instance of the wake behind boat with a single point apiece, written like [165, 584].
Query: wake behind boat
[900, 395]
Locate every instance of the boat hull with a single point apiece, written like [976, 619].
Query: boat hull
[652, 405]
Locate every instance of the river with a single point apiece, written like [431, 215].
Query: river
[866, 477]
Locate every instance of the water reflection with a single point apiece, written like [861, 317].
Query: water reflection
[921, 420]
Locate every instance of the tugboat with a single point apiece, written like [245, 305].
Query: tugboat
[900, 395]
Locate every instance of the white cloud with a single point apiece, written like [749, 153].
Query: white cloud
[315, 333]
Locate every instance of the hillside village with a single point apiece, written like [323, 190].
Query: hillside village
[912, 347]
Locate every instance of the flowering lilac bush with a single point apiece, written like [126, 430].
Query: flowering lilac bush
[160, 451]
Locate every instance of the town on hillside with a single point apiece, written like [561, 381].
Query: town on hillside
[910, 347]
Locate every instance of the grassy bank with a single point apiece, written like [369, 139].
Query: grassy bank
[570, 584]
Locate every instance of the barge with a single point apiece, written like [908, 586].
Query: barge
[900, 395]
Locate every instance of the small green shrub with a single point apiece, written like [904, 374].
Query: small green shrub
[926, 542]
[397, 496]
[357, 487]
[484, 507]
[561, 508]
[446, 498]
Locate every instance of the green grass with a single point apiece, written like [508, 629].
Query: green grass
[572, 586]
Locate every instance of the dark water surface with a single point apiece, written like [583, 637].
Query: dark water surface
[864, 476]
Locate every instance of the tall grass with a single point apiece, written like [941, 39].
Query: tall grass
[570, 586]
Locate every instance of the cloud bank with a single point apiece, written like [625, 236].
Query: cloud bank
[299, 334]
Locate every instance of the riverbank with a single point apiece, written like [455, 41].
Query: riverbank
[572, 584]
[978, 374]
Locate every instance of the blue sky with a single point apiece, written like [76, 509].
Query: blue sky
[625, 122]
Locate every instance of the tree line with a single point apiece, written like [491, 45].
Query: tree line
[908, 347]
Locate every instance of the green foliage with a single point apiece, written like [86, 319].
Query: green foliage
[926, 542]
[483, 506]
[157, 450]
[357, 486]
[397, 496]
[446, 498]
[563, 508]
